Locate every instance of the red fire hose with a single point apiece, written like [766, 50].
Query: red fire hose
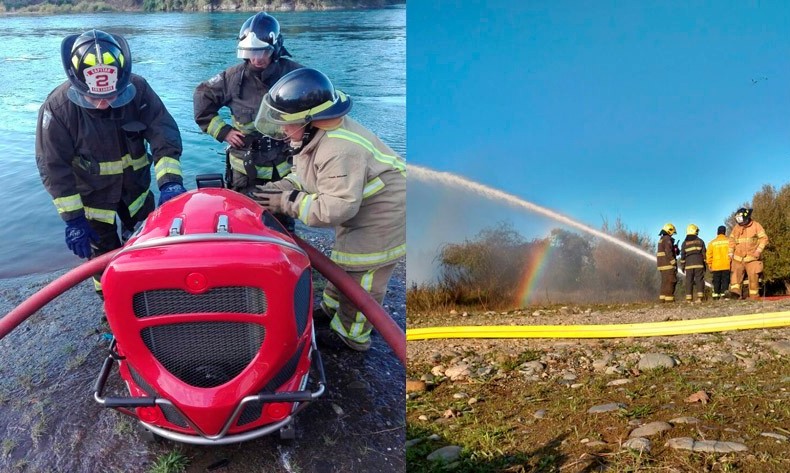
[389, 330]
[392, 334]
[52, 290]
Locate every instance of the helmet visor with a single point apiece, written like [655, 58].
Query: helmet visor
[267, 126]
[98, 101]
[257, 53]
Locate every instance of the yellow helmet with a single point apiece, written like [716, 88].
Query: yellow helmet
[692, 230]
[669, 228]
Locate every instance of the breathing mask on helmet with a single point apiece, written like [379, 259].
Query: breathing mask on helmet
[743, 216]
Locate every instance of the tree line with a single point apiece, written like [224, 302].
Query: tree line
[499, 268]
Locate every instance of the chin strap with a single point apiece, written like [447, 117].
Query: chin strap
[306, 137]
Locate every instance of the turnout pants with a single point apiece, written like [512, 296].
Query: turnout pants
[669, 279]
[695, 282]
[347, 320]
[752, 269]
[721, 280]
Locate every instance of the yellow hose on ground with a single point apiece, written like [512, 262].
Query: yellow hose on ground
[647, 329]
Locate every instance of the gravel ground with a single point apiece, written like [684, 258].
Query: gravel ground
[710, 402]
[50, 422]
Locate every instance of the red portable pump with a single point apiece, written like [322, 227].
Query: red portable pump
[210, 306]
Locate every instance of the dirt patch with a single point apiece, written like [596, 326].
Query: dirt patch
[50, 422]
[525, 405]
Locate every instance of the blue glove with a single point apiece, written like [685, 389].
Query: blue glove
[79, 235]
[170, 190]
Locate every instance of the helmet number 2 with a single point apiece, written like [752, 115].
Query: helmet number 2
[102, 80]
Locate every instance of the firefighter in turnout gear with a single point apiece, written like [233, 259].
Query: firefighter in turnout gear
[719, 262]
[692, 262]
[251, 158]
[346, 178]
[747, 243]
[667, 263]
[91, 145]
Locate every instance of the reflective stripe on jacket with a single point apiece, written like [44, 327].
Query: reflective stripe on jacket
[692, 253]
[718, 249]
[747, 242]
[91, 160]
[349, 179]
[665, 255]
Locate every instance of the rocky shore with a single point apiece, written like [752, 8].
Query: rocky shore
[722, 394]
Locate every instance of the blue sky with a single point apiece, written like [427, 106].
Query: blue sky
[645, 111]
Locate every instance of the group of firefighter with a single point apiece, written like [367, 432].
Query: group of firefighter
[291, 147]
[727, 257]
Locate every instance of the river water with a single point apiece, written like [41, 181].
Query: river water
[48, 419]
[363, 52]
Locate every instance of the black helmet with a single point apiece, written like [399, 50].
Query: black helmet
[743, 216]
[261, 32]
[99, 66]
[301, 96]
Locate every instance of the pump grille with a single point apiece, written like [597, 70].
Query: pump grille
[204, 354]
[252, 411]
[237, 299]
[302, 297]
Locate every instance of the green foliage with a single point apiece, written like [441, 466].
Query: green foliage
[620, 271]
[572, 261]
[484, 269]
[172, 462]
[493, 269]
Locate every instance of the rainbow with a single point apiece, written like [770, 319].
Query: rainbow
[533, 271]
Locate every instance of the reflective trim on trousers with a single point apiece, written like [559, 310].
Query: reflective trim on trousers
[357, 330]
[331, 303]
[138, 203]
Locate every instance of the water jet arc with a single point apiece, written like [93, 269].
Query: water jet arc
[454, 180]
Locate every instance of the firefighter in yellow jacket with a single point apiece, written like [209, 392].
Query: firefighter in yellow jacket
[719, 262]
[344, 177]
[667, 262]
[747, 243]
